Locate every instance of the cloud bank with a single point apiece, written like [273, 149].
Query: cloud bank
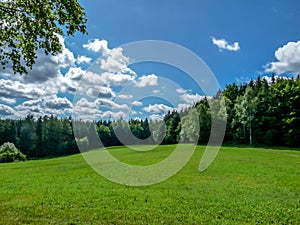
[287, 59]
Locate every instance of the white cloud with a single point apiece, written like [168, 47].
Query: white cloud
[116, 79]
[55, 76]
[75, 73]
[113, 67]
[288, 59]
[85, 110]
[114, 115]
[269, 78]
[110, 104]
[83, 59]
[97, 46]
[62, 84]
[148, 80]
[100, 92]
[16, 89]
[114, 61]
[125, 96]
[191, 98]
[32, 102]
[137, 103]
[9, 101]
[32, 107]
[83, 102]
[92, 79]
[132, 112]
[158, 108]
[155, 117]
[180, 91]
[57, 103]
[6, 110]
[66, 57]
[183, 106]
[49, 66]
[223, 44]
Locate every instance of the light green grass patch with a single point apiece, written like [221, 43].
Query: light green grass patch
[242, 186]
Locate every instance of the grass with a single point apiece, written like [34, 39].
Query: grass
[242, 186]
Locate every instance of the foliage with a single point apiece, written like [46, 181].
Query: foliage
[190, 127]
[173, 127]
[29, 25]
[265, 113]
[9, 153]
[46, 136]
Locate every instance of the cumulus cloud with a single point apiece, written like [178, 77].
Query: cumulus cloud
[100, 92]
[97, 46]
[6, 110]
[183, 106]
[48, 66]
[83, 59]
[110, 104]
[137, 103]
[180, 91]
[58, 103]
[113, 60]
[32, 103]
[9, 101]
[83, 102]
[92, 79]
[16, 89]
[288, 59]
[85, 110]
[158, 108]
[58, 75]
[223, 44]
[191, 98]
[66, 57]
[75, 73]
[30, 107]
[114, 115]
[117, 79]
[148, 80]
[155, 117]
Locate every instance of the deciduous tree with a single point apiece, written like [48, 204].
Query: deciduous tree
[29, 25]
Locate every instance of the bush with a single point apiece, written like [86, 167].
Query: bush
[9, 153]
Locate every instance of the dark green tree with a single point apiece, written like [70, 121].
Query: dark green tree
[204, 120]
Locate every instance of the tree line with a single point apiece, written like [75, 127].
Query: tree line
[264, 113]
[258, 113]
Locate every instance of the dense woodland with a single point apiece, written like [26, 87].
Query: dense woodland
[258, 113]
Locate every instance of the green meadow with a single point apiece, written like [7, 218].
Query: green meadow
[242, 186]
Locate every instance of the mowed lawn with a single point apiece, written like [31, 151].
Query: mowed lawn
[242, 186]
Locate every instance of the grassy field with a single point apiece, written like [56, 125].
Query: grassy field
[242, 186]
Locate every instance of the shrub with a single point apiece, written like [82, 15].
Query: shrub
[9, 153]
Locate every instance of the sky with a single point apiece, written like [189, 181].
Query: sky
[94, 78]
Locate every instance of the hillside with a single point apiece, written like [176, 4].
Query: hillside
[242, 186]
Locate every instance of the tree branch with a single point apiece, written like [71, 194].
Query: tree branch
[8, 9]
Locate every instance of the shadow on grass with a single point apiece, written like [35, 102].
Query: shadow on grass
[262, 147]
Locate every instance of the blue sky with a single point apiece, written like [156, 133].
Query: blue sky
[260, 27]
[238, 40]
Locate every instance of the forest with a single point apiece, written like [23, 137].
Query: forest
[259, 113]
